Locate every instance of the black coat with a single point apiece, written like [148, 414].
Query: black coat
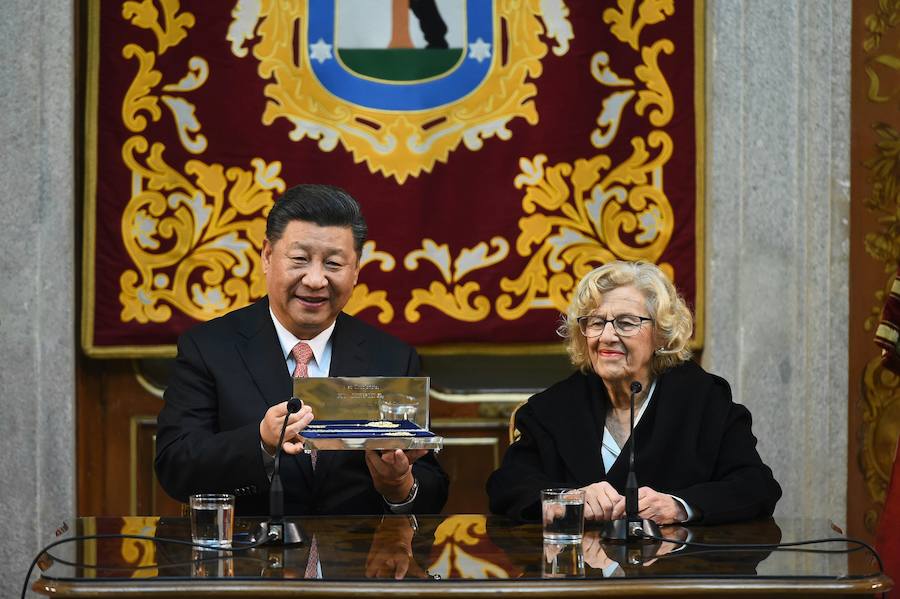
[692, 442]
[228, 372]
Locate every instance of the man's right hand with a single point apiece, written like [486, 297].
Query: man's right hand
[270, 428]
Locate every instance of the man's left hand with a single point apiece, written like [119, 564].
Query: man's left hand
[391, 472]
[659, 507]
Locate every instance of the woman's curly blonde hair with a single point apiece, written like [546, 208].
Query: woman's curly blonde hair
[672, 320]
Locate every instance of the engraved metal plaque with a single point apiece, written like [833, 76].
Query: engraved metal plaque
[353, 413]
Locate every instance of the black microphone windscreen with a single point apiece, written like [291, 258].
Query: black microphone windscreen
[294, 404]
[636, 387]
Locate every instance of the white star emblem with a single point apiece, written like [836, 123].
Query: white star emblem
[479, 50]
[320, 51]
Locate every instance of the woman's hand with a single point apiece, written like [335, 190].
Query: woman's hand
[602, 502]
[659, 507]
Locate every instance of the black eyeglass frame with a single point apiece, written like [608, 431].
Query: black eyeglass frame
[582, 326]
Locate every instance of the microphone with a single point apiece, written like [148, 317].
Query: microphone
[631, 486]
[279, 532]
[632, 527]
[276, 490]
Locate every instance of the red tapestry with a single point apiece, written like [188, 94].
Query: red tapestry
[500, 150]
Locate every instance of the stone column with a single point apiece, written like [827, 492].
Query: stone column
[777, 147]
[37, 268]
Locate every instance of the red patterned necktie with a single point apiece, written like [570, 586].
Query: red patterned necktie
[303, 353]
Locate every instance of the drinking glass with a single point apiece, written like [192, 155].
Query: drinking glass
[563, 515]
[212, 519]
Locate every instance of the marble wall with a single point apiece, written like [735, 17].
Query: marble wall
[778, 200]
[37, 279]
[777, 106]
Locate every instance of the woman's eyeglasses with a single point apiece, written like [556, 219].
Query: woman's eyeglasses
[625, 325]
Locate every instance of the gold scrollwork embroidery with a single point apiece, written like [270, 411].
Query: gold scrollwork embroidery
[183, 236]
[628, 29]
[887, 14]
[194, 236]
[657, 93]
[459, 302]
[587, 219]
[145, 15]
[138, 97]
[362, 297]
[399, 144]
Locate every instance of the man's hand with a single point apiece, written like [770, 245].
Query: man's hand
[602, 502]
[391, 472]
[659, 507]
[270, 428]
[391, 554]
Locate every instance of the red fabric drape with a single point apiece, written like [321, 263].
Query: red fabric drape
[887, 541]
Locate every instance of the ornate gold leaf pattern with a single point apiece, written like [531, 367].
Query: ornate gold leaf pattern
[395, 144]
[144, 14]
[194, 233]
[589, 219]
[458, 303]
[138, 97]
[590, 212]
[627, 30]
[189, 239]
[362, 298]
[657, 92]
[887, 14]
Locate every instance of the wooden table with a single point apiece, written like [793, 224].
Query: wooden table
[466, 555]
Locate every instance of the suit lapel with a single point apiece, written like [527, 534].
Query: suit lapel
[574, 429]
[348, 357]
[261, 352]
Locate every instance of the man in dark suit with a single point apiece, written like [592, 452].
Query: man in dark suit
[226, 402]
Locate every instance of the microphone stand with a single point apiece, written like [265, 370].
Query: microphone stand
[632, 527]
[279, 531]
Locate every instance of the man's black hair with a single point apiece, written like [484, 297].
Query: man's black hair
[323, 205]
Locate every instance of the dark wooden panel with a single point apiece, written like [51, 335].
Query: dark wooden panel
[115, 436]
[472, 450]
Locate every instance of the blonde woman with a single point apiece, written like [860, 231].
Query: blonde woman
[696, 457]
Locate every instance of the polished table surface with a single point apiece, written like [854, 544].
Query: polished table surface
[473, 555]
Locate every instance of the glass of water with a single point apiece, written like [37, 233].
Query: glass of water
[563, 515]
[212, 519]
